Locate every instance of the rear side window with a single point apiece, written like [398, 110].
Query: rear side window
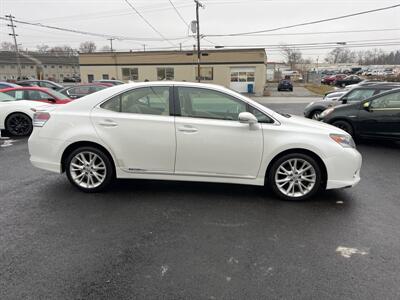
[148, 101]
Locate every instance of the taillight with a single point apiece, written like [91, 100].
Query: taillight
[40, 118]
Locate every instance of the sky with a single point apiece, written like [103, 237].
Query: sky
[117, 18]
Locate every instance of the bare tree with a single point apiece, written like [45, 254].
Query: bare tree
[341, 55]
[42, 48]
[87, 47]
[7, 46]
[292, 55]
[106, 48]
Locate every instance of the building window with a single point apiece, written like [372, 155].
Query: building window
[32, 67]
[52, 67]
[165, 73]
[206, 73]
[130, 74]
[22, 67]
[45, 66]
[90, 78]
[60, 67]
[105, 76]
[242, 77]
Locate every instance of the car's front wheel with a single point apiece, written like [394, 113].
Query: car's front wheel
[316, 114]
[89, 169]
[295, 176]
[19, 124]
[344, 125]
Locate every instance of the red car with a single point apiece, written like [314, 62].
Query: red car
[37, 94]
[331, 79]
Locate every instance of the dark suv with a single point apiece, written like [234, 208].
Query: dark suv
[314, 109]
[377, 117]
[285, 85]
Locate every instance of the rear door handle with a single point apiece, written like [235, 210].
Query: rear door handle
[188, 129]
[108, 123]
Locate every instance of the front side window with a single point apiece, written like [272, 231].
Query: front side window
[359, 95]
[390, 101]
[128, 74]
[147, 100]
[209, 104]
[37, 95]
[165, 73]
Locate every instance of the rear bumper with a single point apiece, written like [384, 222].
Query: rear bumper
[45, 153]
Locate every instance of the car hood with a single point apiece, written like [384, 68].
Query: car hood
[321, 127]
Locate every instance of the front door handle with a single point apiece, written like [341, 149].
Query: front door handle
[108, 123]
[188, 129]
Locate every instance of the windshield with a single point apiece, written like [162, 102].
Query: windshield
[58, 95]
[5, 98]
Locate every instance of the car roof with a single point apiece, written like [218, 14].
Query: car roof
[35, 88]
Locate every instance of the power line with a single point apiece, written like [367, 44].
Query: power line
[178, 13]
[93, 33]
[307, 23]
[148, 23]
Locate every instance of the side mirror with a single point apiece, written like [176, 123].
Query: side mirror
[247, 118]
[367, 106]
[344, 100]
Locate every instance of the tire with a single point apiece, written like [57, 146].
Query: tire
[89, 169]
[279, 89]
[291, 89]
[315, 114]
[19, 124]
[287, 180]
[344, 125]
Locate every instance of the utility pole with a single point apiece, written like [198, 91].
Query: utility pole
[198, 5]
[10, 17]
[111, 41]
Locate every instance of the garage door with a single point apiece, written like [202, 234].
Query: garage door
[241, 77]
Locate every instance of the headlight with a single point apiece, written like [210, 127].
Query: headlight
[345, 141]
[326, 112]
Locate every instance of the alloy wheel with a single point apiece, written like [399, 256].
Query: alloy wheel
[88, 170]
[19, 125]
[295, 177]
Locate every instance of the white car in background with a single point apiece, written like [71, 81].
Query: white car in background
[16, 115]
[334, 96]
[190, 132]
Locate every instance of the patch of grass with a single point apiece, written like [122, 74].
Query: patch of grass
[319, 89]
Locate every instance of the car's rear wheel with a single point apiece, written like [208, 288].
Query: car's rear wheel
[315, 114]
[19, 124]
[344, 125]
[295, 177]
[89, 169]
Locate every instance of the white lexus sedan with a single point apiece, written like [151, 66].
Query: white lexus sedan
[191, 132]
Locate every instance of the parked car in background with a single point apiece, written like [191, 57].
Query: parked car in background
[334, 96]
[109, 81]
[285, 85]
[314, 109]
[78, 91]
[377, 117]
[16, 116]
[5, 84]
[330, 80]
[37, 94]
[156, 130]
[352, 79]
[71, 79]
[41, 83]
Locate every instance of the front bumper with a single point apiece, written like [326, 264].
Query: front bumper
[344, 170]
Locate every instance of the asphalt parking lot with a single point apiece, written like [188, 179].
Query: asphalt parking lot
[173, 240]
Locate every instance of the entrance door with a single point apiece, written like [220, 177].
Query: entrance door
[241, 77]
